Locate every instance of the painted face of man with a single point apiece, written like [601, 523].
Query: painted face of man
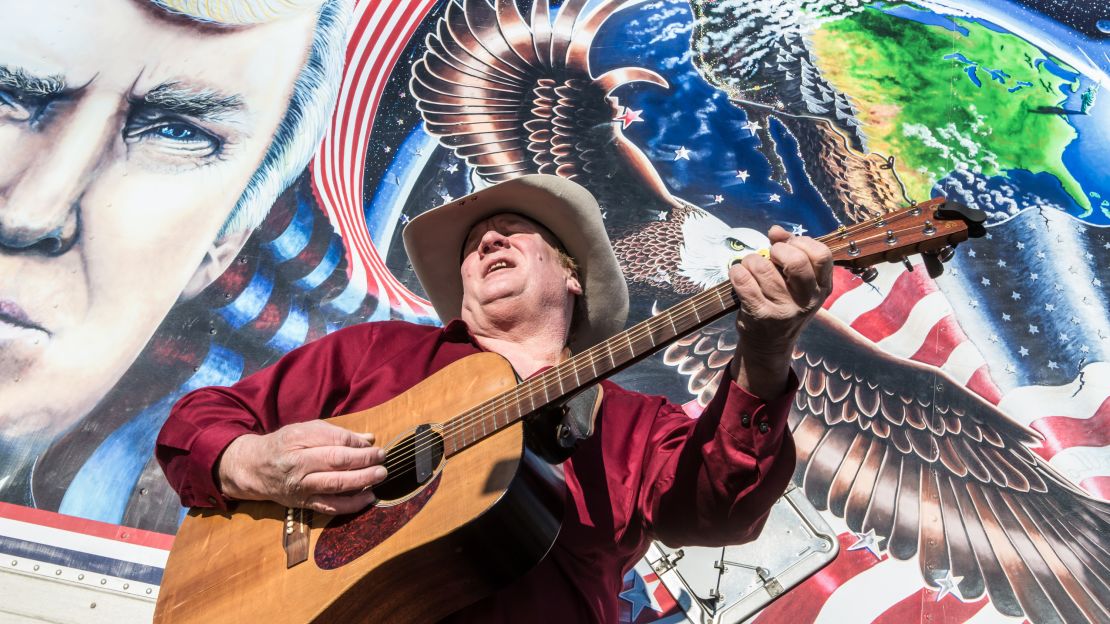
[511, 265]
[127, 137]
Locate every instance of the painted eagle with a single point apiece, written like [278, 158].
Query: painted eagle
[934, 470]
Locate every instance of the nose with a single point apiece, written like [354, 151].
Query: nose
[40, 200]
[491, 241]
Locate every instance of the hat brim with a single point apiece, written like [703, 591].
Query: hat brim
[434, 240]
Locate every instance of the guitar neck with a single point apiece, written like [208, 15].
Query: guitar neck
[926, 227]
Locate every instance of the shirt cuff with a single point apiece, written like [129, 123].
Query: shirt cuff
[754, 424]
[204, 451]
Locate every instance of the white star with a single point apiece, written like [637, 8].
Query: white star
[985, 281]
[1088, 255]
[717, 199]
[1005, 317]
[949, 584]
[752, 126]
[973, 303]
[989, 236]
[868, 541]
[452, 168]
[1010, 369]
[1034, 277]
[1050, 307]
[1023, 351]
[970, 253]
[446, 197]
[1041, 255]
[743, 175]
[799, 230]
[1001, 263]
[1085, 349]
[1020, 245]
[774, 197]
[1106, 246]
[993, 338]
[662, 216]
[1075, 320]
[1064, 337]
[1096, 282]
[1033, 329]
[1015, 295]
[682, 153]
[387, 149]
[1053, 365]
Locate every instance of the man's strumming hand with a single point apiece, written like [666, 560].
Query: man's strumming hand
[314, 465]
[777, 298]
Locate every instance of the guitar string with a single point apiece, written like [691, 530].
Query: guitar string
[544, 381]
[399, 456]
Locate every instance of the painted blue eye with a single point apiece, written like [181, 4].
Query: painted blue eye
[177, 132]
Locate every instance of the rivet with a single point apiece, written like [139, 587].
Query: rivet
[126, 585]
[15, 562]
[58, 572]
[36, 568]
[80, 577]
[142, 492]
[92, 606]
[103, 582]
[148, 590]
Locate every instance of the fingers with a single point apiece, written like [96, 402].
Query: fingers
[336, 504]
[322, 433]
[345, 481]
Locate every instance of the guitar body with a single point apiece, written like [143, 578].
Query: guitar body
[489, 514]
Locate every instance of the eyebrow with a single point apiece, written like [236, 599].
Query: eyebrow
[175, 97]
[27, 85]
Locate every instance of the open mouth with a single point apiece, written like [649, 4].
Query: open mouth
[497, 266]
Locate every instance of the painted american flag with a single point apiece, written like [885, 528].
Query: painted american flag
[1034, 351]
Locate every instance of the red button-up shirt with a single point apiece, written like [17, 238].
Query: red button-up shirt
[649, 471]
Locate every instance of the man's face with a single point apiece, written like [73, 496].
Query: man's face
[511, 267]
[127, 136]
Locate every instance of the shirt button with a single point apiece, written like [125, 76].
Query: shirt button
[764, 427]
[745, 420]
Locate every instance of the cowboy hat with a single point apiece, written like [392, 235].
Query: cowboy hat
[435, 239]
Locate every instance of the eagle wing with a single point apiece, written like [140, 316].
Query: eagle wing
[898, 447]
[513, 97]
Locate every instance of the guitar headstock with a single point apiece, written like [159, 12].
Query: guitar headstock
[931, 228]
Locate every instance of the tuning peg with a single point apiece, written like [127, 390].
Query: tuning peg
[867, 274]
[946, 253]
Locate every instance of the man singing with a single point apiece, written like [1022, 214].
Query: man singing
[525, 270]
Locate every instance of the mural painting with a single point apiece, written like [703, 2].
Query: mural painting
[191, 189]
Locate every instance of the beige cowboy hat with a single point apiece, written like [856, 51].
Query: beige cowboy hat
[434, 243]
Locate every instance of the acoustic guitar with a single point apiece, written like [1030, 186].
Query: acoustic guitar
[467, 507]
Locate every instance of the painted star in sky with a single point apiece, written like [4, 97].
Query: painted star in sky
[662, 216]
[1034, 277]
[985, 281]
[1033, 329]
[1015, 295]
[1053, 365]
[628, 117]
[1049, 307]
[446, 197]
[799, 230]
[993, 338]
[774, 197]
[743, 175]
[718, 199]
[949, 584]
[1001, 263]
[682, 153]
[970, 253]
[1005, 317]
[868, 541]
[452, 168]
[1023, 351]
[1020, 245]
[752, 126]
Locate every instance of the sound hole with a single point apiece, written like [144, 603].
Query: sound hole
[411, 463]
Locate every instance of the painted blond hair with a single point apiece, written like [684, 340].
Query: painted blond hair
[310, 107]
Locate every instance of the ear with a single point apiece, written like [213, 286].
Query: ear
[215, 262]
[574, 287]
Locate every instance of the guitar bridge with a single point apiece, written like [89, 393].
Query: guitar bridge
[298, 522]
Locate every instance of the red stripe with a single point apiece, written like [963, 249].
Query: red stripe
[1061, 432]
[922, 606]
[1097, 486]
[843, 281]
[891, 314]
[93, 528]
[981, 383]
[942, 338]
[803, 604]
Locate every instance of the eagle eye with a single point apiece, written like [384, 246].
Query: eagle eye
[737, 245]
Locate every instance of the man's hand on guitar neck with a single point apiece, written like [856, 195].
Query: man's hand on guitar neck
[313, 465]
[777, 298]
